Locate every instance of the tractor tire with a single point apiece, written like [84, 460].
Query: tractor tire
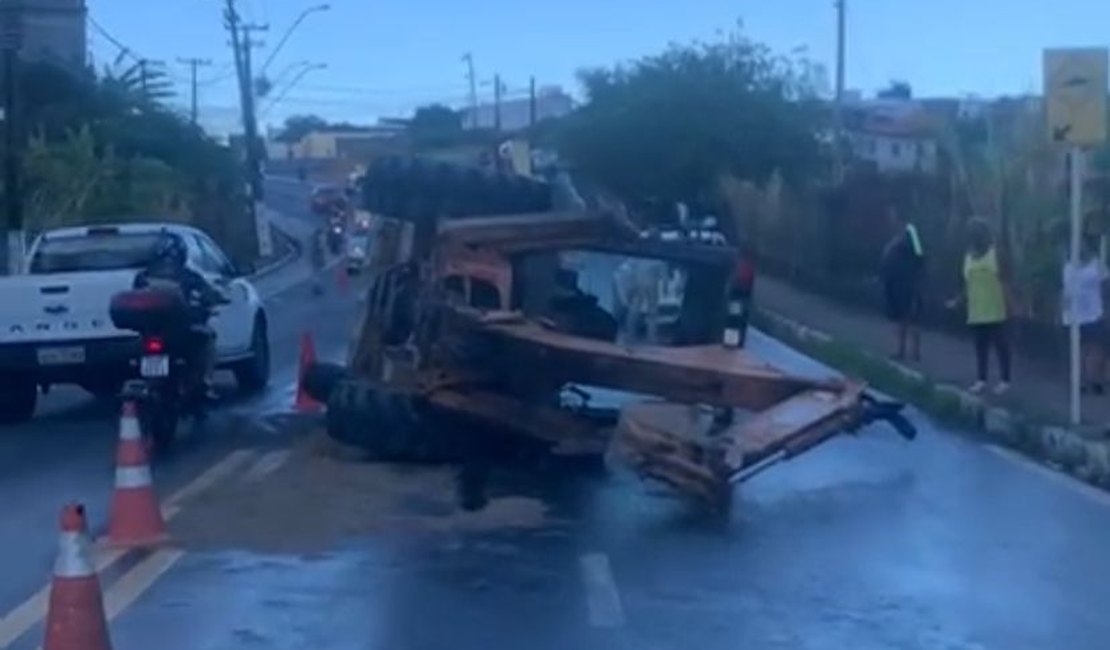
[389, 424]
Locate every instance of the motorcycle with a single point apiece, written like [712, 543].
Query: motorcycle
[168, 387]
[335, 235]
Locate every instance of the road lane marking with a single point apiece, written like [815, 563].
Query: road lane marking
[24, 616]
[124, 592]
[268, 464]
[32, 610]
[1064, 480]
[602, 598]
[210, 477]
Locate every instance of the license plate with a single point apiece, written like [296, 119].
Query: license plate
[155, 365]
[61, 356]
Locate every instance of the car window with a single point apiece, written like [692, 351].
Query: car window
[206, 262]
[94, 252]
[214, 256]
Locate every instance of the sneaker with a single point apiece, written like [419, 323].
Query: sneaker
[1001, 388]
[978, 387]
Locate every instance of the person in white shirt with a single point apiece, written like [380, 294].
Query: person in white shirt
[636, 286]
[1083, 305]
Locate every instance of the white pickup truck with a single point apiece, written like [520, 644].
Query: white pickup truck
[55, 326]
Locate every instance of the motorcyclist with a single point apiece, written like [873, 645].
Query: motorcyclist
[168, 268]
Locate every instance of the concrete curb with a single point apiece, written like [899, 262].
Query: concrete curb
[1059, 447]
[285, 260]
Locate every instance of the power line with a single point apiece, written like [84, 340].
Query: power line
[366, 90]
[124, 51]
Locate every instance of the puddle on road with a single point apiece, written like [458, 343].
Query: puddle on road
[322, 496]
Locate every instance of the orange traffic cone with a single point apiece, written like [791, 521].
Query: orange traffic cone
[342, 280]
[304, 402]
[136, 518]
[75, 617]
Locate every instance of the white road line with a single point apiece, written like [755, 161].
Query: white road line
[141, 577]
[211, 476]
[125, 591]
[602, 598]
[15, 623]
[1094, 494]
[268, 464]
[32, 610]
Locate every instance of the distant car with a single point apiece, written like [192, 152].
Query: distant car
[328, 199]
[55, 327]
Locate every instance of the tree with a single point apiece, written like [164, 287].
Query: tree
[897, 90]
[435, 125]
[298, 126]
[667, 127]
[101, 147]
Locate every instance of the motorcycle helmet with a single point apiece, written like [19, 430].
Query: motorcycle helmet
[170, 250]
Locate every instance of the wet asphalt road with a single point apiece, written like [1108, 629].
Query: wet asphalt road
[868, 542]
[67, 452]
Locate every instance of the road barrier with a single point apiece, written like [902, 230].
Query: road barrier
[136, 518]
[304, 402]
[75, 615]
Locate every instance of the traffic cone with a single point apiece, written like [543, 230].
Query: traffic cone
[75, 615]
[136, 518]
[304, 402]
[342, 280]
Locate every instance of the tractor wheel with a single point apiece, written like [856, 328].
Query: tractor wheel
[388, 424]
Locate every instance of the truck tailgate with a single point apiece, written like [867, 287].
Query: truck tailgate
[60, 307]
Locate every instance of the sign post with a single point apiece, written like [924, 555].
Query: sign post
[11, 30]
[1075, 88]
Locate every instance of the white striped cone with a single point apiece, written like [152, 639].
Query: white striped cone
[75, 615]
[129, 423]
[136, 518]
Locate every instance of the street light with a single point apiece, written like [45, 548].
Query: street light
[292, 84]
[263, 85]
[292, 28]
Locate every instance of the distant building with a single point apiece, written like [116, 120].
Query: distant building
[50, 31]
[350, 144]
[895, 135]
[516, 114]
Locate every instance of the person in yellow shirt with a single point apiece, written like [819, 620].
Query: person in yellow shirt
[985, 295]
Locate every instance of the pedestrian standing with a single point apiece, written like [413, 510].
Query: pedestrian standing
[902, 271]
[985, 294]
[1083, 306]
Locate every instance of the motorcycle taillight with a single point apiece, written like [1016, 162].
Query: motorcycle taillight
[154, 345]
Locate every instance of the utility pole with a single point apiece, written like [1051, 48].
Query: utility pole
[193, 64]
[11, 40]
[532, 101]
[497, 102]
[469, 58]
[241, 44]
[838, 110]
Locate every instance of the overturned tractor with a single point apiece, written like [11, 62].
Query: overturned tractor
[485, 325]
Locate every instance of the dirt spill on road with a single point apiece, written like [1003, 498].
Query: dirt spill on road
[324, 495]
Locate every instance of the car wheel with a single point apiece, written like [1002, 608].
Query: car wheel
[253, 374]
[18, 399]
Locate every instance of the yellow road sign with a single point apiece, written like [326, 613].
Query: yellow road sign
[1075, 88]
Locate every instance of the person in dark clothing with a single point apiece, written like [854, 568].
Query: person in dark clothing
[902, 272]
[168, 268]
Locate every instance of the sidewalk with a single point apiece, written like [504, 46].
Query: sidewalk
[1038, 391]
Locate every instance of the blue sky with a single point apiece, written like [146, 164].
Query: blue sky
[386, 56]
